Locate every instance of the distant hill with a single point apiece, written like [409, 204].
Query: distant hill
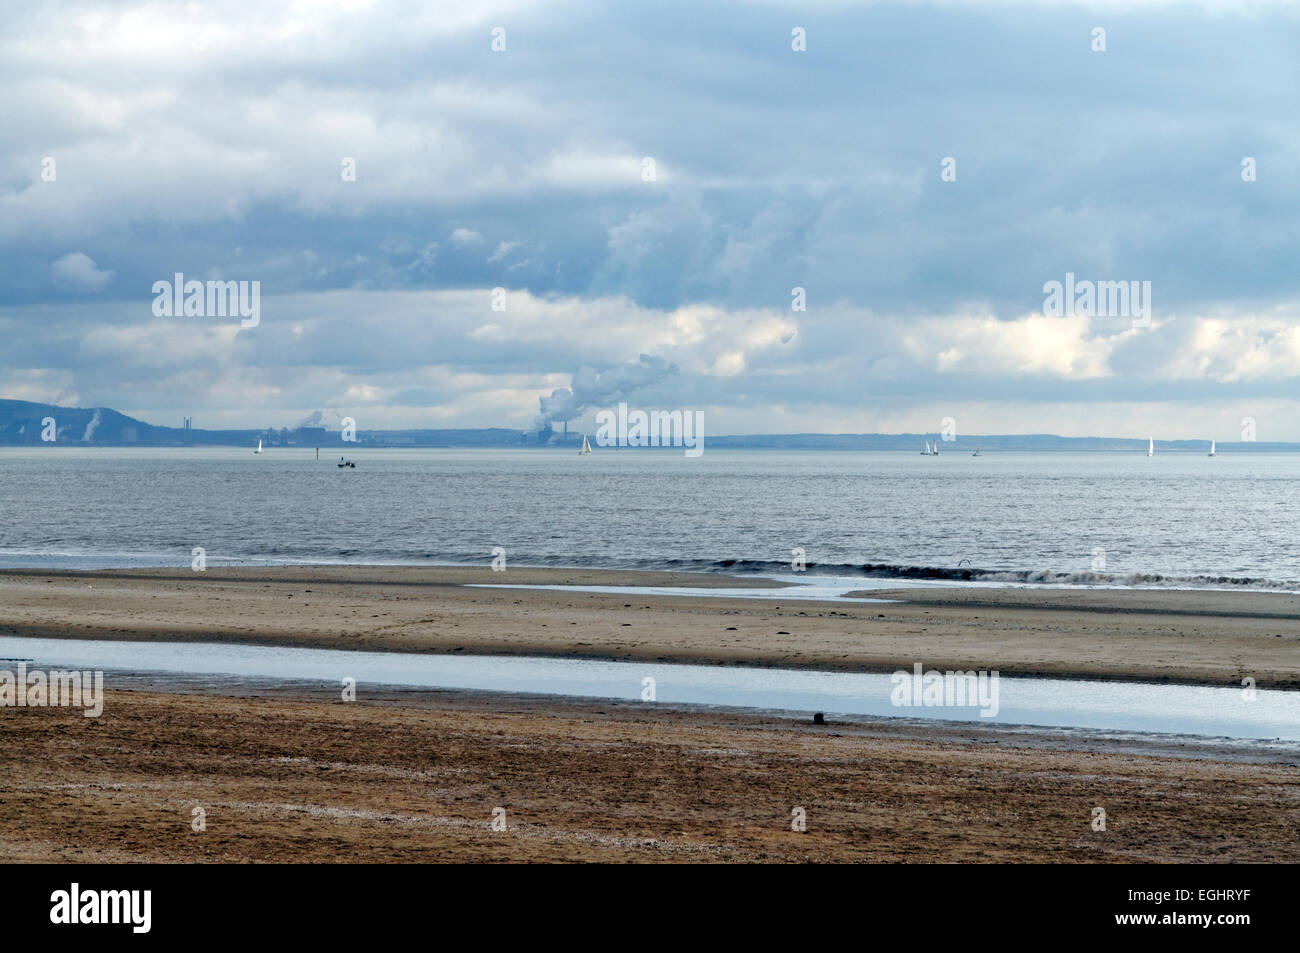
[22, 423]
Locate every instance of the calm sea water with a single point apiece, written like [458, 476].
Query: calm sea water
[1176, 519]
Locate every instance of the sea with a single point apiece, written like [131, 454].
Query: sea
[1180, 520]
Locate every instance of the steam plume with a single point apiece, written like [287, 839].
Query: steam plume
[593, 388]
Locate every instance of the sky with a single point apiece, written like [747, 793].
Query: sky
[645, 185]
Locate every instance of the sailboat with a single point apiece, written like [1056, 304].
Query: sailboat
[1151, 447]
[927, 451]
[586, 447]
[259, 445]
[1212, 453]
[976, 453]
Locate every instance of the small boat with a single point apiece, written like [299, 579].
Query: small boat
[1151, 447]
[976, 453]
[586, 447]
[1212, 453]
[259, 445]
[346, 463]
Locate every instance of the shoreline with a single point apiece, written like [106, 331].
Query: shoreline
[775, 574]
[1156, 636]
[1244, 750]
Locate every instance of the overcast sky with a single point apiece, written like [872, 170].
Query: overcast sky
[210, 138]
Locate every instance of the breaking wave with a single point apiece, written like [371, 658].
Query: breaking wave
[981, 575]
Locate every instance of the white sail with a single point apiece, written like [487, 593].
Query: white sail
[586, 447]
[1151, 447]
[1212, 453]
[259, 445]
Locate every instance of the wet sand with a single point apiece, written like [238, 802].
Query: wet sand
[294, 774]
[291, 772]
[1211, 638]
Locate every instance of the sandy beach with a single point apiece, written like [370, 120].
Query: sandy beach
[291, 772]
[1212, 638]
[296, 775]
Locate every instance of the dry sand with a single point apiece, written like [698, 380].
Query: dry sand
[296, 775]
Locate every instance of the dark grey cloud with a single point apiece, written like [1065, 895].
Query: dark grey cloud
[209, 141]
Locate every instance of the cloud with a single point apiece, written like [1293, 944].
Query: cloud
[1058, 347]
[523, 170]
[503, 249]
[79, 272]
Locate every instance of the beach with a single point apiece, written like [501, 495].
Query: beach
[289, 771]
[1192, 637]
[295, 775]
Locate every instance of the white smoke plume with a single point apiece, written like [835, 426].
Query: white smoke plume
[593, 388]
[317, 418]
[95, 421]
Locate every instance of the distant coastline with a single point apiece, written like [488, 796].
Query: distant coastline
[23, 423]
